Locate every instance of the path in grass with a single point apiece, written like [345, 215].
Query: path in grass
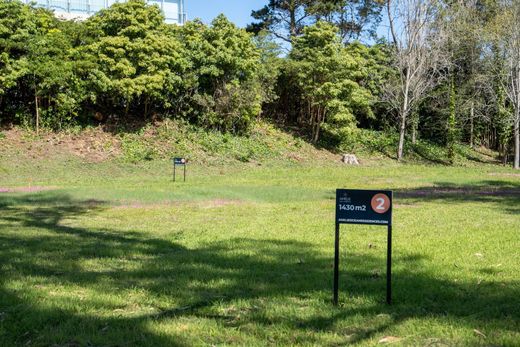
[116, 255]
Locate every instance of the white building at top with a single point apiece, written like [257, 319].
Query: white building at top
[173, 10]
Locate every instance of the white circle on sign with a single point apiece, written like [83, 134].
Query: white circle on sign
[380, 203]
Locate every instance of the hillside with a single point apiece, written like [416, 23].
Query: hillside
[266, 143]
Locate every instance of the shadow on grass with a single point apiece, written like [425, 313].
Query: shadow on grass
[39, 250]
[506, 194]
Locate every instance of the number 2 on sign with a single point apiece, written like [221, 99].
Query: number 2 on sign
[380, 203]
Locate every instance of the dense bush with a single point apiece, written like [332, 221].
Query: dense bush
[125, 61]
[328, 87]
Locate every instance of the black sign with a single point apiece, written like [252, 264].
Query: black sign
[363, 207]
[182, 162]
[179, 161]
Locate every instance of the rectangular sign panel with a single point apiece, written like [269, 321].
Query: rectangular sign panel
[363, 207]
[179, 161]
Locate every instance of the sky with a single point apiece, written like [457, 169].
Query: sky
[238, 11]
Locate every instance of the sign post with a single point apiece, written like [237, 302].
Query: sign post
[372, 207]
[179, 162]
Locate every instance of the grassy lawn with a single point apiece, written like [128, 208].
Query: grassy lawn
[115, 254]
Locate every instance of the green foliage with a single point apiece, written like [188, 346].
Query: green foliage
[288, 19]
[262, 144]
[328, 75]
[270, 65]
[225, 90]
[133, 59]
[135, 149]
[17, 24]
[126, 61]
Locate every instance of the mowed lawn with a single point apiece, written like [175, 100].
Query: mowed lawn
[117, 255]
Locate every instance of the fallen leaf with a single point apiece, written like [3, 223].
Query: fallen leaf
[479, 333]
[389, 339]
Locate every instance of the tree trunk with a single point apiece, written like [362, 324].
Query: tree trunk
[472, 114]
[127, 110]
[146, 108]
[317, 127]
[404, 115]
[452, 124]
[402, 132]
[292, 21]
[37, 114]
[516, 164]
[415, 125]
[503, 153]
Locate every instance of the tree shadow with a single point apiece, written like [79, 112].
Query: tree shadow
[39, 245]
[503, 193]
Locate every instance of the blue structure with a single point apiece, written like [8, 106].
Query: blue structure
[80, 9]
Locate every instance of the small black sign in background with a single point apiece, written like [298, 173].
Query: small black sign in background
[181, 162]
[373, 207]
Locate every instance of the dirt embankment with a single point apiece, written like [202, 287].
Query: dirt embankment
[92, 145]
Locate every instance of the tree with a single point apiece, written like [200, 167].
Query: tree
[351, 17]
[283, 18]
[131, 59]
[17, 26]
[507, 40]
[286, 19]
[55, 87]
[224, 86]
[327, 73]
[417, 42]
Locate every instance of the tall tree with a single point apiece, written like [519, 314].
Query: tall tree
[224, 78]
[57, 92]
[131, 58]
[328, 75]
[417, 40]
[285, 19]
[507, 40]
[351, 17]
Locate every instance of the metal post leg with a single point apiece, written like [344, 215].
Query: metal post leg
[336, 266]
[389, 267]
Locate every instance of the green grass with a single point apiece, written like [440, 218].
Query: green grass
[115, 254]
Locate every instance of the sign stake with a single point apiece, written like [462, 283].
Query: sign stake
[336, 266]
[389, 266]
